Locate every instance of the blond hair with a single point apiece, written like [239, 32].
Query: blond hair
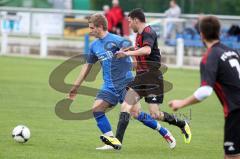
[98, 20]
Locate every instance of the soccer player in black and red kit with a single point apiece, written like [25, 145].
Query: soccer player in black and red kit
[220, 71]
[147, 84]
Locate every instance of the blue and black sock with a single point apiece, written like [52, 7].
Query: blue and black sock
[147, 120]
[122, 125]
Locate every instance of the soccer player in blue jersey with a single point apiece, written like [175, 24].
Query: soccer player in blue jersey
[116, 76]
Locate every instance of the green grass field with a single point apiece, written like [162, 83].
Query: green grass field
[26, 98]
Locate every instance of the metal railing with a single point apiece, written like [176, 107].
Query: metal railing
[225, 19]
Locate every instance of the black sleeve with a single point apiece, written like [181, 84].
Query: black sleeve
[148, 38]
[209, 68]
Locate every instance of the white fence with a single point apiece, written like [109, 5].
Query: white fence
[45, 23]
[30, 21]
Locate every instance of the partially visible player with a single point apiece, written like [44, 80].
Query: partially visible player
[148, 82]
[116, 76]
[220, 70]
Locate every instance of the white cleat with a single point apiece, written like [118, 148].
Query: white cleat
[105, 147]
[170, 140]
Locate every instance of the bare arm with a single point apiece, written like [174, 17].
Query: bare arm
[146, 50]
[81, 77]
[83, 74]
[199, 95]
[177, 104]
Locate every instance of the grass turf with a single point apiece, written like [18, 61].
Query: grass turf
[26, 98]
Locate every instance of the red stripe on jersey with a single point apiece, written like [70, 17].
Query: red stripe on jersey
[138, 41]
[141, 60]
[222, 97]
[147, 29]
[138, 62]
[205, 55]
[144, 62]
[146, 44]
[138, 45]
[204, 83]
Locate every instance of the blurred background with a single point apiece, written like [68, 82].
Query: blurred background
[58, 28]
[225, 7]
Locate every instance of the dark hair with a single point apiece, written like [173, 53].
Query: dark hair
[137, 13]
[210, 27]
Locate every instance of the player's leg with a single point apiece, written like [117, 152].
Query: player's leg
[232, 135]
[99, 108]
[232, 157]
[124, 118]
[104, 100]
[154, 103]
[131, 105]
[131, 99]
[155, 97]
[148, 121]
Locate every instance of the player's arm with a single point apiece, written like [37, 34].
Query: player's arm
[208, 79]
[199, 95]
[81, 77]
[146, 50]
[148, 42]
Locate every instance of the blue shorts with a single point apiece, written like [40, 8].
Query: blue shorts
[112, 97]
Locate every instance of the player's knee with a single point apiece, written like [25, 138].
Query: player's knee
[97, 109]
[154, 115]
[161, 116]
[125, 108]
[231, 157]
[134, 114]
[94, 110]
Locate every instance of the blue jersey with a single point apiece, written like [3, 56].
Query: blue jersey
[116, 72]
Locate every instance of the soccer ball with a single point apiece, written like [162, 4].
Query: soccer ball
[21, 134]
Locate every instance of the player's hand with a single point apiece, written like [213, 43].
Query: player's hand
[73, 92]
[130, 48]
[176, 104]
[120, 54]
[123, 52]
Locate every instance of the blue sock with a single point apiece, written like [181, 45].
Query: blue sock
[147, 120]
[102, 122]
[163, 131]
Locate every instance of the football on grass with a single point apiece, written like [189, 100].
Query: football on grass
[21, 134]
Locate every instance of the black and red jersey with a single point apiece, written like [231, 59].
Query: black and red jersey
[147, 62]
[220, 69]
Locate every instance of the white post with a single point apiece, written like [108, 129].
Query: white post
[165, 21]
[43, 45]
[180, 52]
[4, 44]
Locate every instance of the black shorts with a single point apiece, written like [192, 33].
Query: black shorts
[149, 85]
[232, 133]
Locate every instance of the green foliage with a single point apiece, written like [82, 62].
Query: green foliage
[187, 6]
[13, 3]
[20, 3]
